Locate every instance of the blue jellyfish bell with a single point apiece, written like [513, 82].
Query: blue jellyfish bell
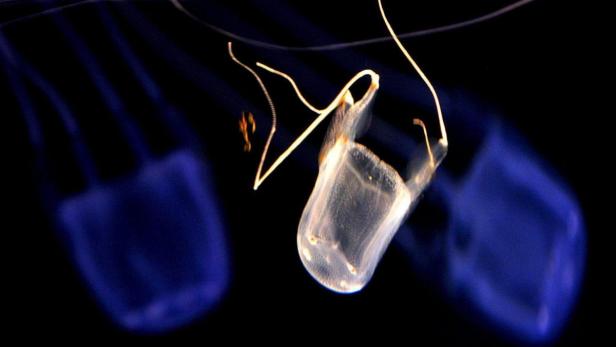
[151, 244]
[516, 240]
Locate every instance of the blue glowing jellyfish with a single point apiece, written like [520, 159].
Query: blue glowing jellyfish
[150, 245]
[516, 240]
[512, 246]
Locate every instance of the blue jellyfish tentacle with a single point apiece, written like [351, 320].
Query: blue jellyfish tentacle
[69, 122]
[105, 88]
[34, 129]
[167, 112]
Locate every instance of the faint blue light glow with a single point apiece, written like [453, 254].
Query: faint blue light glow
[512, 249]
[151, 245]
[516, 241]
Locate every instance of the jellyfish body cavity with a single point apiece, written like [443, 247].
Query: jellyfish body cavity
[358, 201]
[356, 206]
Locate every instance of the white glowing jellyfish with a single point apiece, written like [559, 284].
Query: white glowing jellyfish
[358, 201]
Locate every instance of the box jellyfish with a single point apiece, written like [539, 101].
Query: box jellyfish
[516, 244]
[151, 244]
[511, 252]
[358, 201]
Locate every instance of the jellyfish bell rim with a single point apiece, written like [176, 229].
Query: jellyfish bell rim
[175, 306]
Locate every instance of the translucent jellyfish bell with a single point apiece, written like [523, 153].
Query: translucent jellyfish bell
[358, 201]
[522, 264]
[356, 206]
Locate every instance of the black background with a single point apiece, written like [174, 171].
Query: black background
[533, 65]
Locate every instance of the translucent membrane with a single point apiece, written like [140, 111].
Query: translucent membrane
[358, 202]
[151, 244]
[516, 241]
[353, 212]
